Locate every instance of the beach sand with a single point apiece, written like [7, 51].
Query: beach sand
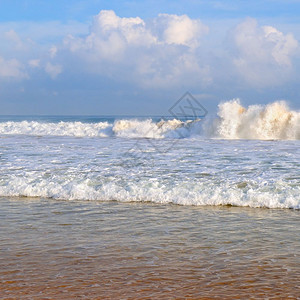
[110, 250]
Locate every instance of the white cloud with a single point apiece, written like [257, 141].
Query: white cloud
[284, 46]
[168, 50]
[159, 51]
[15, 38]
[164, 52]
[110, 36]
[53, 69]
[11, 69]
[263, 54]
[132, 30]
[53, 51]
[181, 30]
[34, 63]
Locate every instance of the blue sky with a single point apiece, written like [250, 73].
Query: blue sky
[138, 57]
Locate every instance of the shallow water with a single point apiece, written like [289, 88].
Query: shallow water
[90, 249]
[191, 171]
[64, 243]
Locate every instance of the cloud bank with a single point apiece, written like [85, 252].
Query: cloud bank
[263, 54]
[172, 49]
[159, 53]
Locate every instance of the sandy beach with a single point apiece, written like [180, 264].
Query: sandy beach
[109, 250]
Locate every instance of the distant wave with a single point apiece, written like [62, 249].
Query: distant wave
[271, 122]
[120, 128]
[35, 128]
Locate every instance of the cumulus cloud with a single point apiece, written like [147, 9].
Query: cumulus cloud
[181, 30]
[163, 52]
[15, 38]
[262, 54]
[11, 68]
[53, 69]
[169, 50]
[110, 36]
[34, 63]
[131, 30]
[108, 29]
[284, 46]
[160, 51]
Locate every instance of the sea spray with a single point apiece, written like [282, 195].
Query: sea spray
[274, 121]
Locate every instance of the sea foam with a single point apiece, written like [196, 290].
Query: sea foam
[271, 122]
[132, 128]
[197, 193]
[192, 171]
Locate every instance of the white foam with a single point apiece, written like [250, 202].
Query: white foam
[271, 122]
[191, 172]
[186, 193]
[145, 129]
[77, 129]
[121, 128]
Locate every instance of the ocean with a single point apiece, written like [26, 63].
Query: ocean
[136, 207]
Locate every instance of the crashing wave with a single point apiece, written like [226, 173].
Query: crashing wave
[274, 121]
[198, 193]
[120, 128]
[271, 122]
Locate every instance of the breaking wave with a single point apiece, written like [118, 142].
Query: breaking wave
[120, 128]
[271, 122]
[192, 193]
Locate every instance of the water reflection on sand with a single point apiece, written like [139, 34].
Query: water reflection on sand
[63, 249]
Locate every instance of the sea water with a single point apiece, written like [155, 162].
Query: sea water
[154, 204]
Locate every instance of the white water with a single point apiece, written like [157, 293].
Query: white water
[272, 122]
[178, 162]
[191, 172]
[120, 128]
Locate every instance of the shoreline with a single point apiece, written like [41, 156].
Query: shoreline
[120, 250]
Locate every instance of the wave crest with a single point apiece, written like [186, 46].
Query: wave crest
[274, 121]
[146, 128]
[121, 128]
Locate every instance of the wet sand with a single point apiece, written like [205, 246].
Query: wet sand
[109, 250]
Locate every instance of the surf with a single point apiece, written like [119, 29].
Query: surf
[275, 121]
